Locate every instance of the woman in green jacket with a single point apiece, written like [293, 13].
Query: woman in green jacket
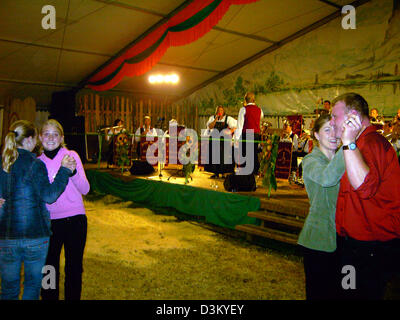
[322, 171]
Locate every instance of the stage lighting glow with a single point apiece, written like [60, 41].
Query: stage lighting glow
[159, 78]
[152, 79]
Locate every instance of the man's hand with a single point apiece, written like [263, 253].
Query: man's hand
[2, 202]
[69, 162]
[356, 167]
[351, 129]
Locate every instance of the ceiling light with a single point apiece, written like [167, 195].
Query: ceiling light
[168, 78]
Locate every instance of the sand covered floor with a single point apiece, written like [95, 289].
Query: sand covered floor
[134, 253]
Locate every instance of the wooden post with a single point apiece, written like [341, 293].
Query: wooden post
[141, 113]
[97, 112]
[196, 120]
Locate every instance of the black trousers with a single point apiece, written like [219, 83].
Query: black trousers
[251, 147]
[374, 262]
[295, 155]
[71, 233]
[322, 274]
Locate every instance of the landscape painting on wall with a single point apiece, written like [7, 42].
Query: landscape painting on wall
[296, 78]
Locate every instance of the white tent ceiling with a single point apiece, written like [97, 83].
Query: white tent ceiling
[36, 62]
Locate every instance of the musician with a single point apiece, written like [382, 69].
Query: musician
[327, 107]
[172, 141]
[111, 136]
[304, 148]
[146, 130]
[325, 110]
[225, 125]
[394, 137]
[250, 116]
[375, 118]
[117, 127]
[290, 136]
[396, 118]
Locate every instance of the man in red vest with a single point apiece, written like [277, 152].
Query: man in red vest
[248, 128]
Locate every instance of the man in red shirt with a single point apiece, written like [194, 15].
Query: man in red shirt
[368, 205]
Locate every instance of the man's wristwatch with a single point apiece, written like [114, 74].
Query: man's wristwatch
[350, 146]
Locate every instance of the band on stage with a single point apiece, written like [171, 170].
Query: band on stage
[221, 148]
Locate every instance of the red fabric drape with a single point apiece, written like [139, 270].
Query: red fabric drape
[171, 39]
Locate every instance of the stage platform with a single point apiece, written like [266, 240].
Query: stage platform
[279, 217]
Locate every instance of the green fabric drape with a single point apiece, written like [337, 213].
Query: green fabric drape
[222, 209]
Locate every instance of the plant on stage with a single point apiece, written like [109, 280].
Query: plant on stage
[122, 144]
[268, 162]
[188, 152]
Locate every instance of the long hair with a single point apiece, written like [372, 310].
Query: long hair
[19, 130]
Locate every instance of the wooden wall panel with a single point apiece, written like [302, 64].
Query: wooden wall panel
[100, 111]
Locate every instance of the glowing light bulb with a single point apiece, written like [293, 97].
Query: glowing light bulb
[152, 79]
[159, 78]
[174, 79]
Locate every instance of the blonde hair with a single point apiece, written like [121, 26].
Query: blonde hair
[53, 123]
[19, 130]
[249, 97]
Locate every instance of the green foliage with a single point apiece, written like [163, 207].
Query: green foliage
[273, 83]
[268, 162]
[232, 96]
[122, 151]
[188, 153]
[258, 89]
[240, 90]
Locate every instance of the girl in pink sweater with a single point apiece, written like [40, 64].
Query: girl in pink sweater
[67, 214]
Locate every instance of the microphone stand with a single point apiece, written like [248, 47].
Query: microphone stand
[160, 124]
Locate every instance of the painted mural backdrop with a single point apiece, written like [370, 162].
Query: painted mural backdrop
[320, 65]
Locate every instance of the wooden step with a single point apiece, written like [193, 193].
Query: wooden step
[277, 218]
[268, 233]
[295, 208]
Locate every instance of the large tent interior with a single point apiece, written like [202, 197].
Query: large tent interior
[301, 43]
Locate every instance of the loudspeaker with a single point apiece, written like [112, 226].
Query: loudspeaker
[234, 183]
[74, 136]
[62, 109]
[141, 168]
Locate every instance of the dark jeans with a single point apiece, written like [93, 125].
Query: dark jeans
[30, 252]
[374, 263]
[322, 272]
[70, 232]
